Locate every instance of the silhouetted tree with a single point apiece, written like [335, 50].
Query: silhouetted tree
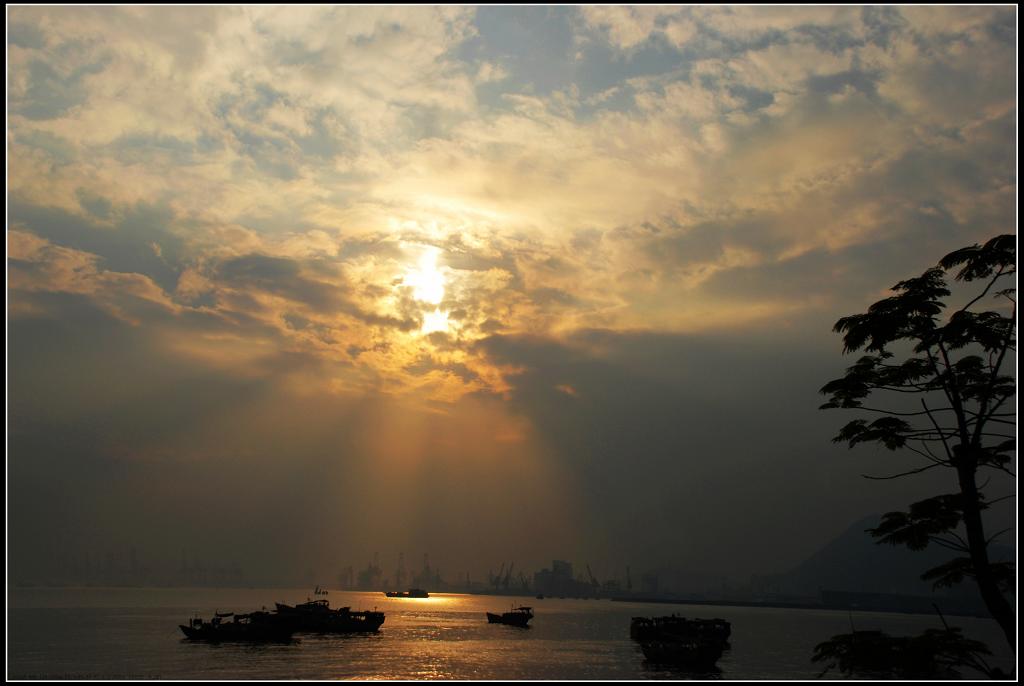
[965, 419]
[935, 654]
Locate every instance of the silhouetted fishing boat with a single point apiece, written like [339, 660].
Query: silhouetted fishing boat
[260, 627]
[411, 593]
[519, 616]
[317, 616]
[694, 643]
[657, 628]
[696, 653]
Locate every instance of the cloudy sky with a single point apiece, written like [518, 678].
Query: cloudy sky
[491, 283]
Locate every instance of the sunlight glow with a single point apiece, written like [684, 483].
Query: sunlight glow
[435, 321]
[427, 282]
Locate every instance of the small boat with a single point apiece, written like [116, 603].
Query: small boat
[411, 593]
[257, 627]
[317, 616]
[518, 616]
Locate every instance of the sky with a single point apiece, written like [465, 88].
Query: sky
[289, 286]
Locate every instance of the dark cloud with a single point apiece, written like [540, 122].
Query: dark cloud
[379, 246]
[753, 98]
[860, 80]
[835, 40]
[138, 148]
[95, 205]
[52, 93]
[60, 149]
[553, 297]
[669, 437]
[289, 278]
[690, 249]
[127, 247]
[427, 363]
[1003, 26]
[26, 35]
[883, 25]
[279, 276]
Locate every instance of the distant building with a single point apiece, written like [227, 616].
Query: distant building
[559, 582]
[370, 578]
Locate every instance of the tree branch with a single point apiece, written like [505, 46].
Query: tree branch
[949, 545]
[896, 476]
[981, 295]
[954, 399]
[902, 414]
[1001, 468]
[933, 456]
[927, 454]
[997, 534]
[945, 446]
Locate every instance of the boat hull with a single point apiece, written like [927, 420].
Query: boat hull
[230, 632]
[692, 643]
[659, 628]
[326, 621]
[699, 654]
[510, 619]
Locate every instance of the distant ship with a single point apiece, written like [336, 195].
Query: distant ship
[519, 616]
[257, 627]
[411, 593]
[317, 616]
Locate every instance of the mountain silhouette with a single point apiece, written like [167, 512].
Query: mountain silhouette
[855, 561]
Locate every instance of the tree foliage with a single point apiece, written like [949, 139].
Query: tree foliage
[935, 654]
[963, 418]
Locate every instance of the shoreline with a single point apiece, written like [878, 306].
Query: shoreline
[784, 605]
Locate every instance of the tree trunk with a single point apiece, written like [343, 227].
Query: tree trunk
[995, 601]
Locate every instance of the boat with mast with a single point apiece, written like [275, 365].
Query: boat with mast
[317, 616]
[517, 616]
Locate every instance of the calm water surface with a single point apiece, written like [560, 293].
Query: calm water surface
[133, 633]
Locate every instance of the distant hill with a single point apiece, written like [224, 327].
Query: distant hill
[853, 561]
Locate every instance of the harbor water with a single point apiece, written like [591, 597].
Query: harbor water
[133, 633]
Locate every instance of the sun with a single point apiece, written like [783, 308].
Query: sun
[427, 283]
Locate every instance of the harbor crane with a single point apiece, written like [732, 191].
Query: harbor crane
[496, 579]
[593, 579]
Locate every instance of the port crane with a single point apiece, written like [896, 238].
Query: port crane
[593, 579]
[496, 578]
